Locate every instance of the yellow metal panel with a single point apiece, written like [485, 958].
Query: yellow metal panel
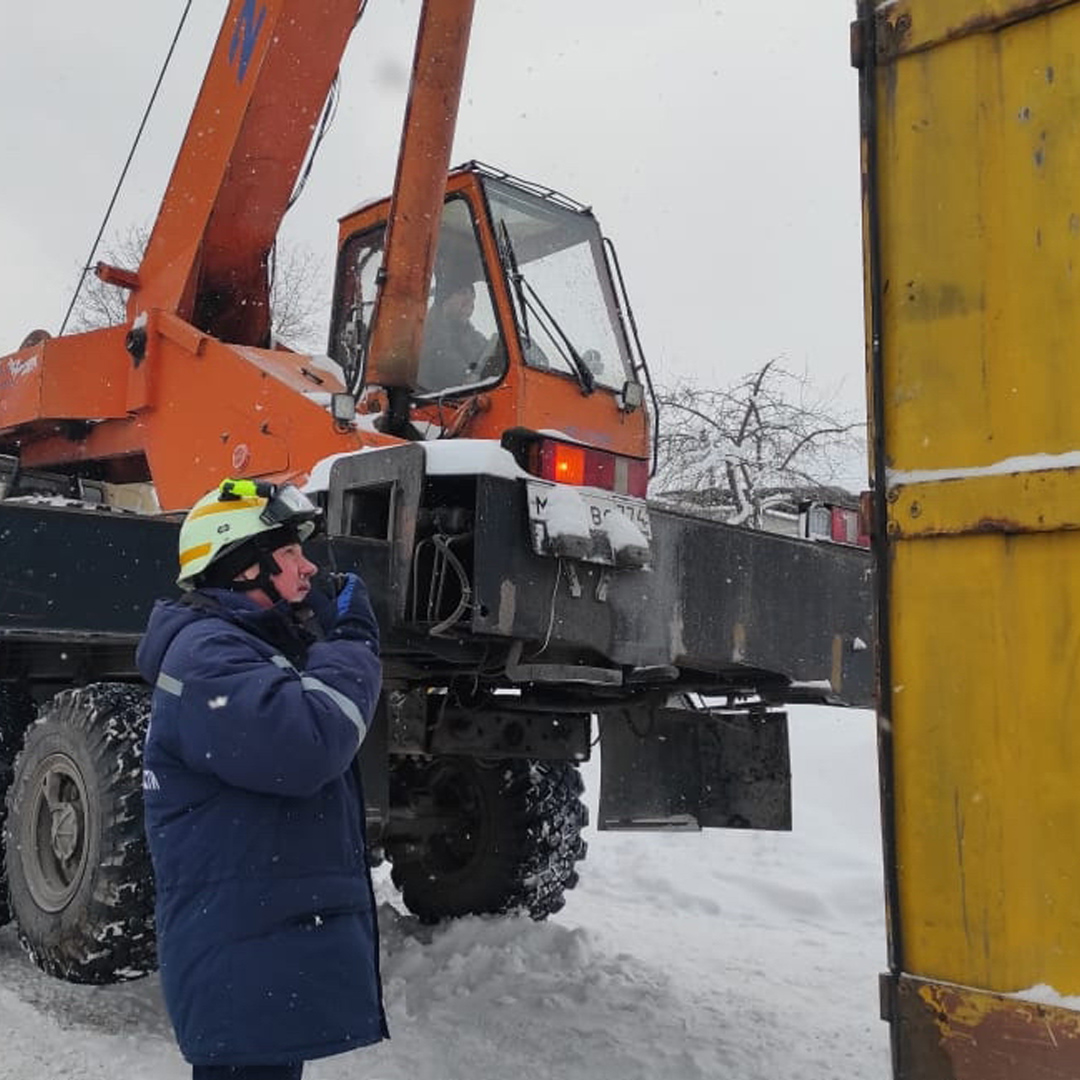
[985, 633]
[1044, 500]
[979, 151]
[919, 24]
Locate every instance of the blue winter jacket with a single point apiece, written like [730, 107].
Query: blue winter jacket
[267, 935]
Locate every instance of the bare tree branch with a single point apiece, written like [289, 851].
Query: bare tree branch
[752, 445]
[794, 452]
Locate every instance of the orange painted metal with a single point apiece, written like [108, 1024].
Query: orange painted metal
[419, 188]
[185, 419]
[116, 275]
[268, 78]
[65, 378]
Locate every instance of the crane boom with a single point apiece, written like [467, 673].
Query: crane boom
[268, 78]
[419, 188]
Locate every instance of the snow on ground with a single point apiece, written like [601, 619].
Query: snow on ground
[719, 955]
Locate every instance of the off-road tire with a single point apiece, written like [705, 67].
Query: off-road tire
[510, 840]
[16, 712]
[78, 868]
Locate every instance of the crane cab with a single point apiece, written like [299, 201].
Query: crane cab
[527, 326]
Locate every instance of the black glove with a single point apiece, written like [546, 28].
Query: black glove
[355, 619]
[318, 604]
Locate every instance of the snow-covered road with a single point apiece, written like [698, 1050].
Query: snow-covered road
[714, 956]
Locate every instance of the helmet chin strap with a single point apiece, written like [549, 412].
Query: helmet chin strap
[268, 566]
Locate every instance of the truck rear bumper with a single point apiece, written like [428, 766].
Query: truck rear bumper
[790, 618]
[720, 608]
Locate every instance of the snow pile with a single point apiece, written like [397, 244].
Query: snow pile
[1041, 994]
[624, 533]
[723, 955]
[568, 1004]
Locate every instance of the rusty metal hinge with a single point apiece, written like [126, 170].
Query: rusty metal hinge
[858, 44]
[888, 990]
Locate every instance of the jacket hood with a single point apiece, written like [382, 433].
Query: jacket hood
[167, 619]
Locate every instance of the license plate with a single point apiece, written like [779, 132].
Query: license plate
[555, 508]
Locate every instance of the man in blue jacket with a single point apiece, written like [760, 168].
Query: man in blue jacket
[263, 691]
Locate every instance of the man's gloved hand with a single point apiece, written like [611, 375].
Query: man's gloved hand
[323, 608]
[355, 619]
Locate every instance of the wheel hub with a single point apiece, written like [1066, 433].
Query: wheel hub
[65, 831]
[54, 852]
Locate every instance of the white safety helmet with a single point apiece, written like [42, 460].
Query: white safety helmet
[232, 525]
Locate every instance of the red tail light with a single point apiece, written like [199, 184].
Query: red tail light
[866, 515]
[561, 462]
[585, 466]
[841, 524]
[845, 525]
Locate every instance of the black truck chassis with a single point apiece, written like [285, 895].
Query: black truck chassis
[502, 666]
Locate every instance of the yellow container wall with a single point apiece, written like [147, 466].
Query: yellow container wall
[978, 182]
[980, 154]
[986, 660]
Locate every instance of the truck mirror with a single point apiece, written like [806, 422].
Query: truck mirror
[343, 408]
[633, 396]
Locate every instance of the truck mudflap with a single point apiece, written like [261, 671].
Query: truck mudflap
[942, 1031]
[675, 767]
[719, 607]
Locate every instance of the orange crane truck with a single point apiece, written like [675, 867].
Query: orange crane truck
[528, 593]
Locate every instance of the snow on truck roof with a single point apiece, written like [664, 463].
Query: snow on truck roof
[448, 457]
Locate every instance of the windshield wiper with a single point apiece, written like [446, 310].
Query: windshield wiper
[510, 264]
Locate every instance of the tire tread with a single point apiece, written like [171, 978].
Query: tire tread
[106, 933]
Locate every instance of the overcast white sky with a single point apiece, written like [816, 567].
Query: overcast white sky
[717, 143]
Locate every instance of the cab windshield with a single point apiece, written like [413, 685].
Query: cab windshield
[553, 260]
[564, 303]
